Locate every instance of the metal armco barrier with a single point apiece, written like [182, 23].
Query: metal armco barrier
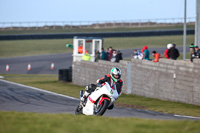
[97, 34]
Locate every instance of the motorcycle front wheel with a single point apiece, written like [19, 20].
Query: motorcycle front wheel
[78, 110]
[100, 110]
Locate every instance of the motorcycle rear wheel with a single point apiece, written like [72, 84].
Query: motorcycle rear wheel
[102, 108]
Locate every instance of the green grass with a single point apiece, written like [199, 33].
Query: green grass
[14, 122]
[51, 83]
[33, 47]
[140, 42]
[40, 47]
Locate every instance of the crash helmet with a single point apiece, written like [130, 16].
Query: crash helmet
[169, 45]
[115, 72]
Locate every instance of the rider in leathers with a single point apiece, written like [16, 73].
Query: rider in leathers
[113, 77]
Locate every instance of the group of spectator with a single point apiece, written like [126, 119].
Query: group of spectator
[170, 53]
[110, 54]
[144, 54]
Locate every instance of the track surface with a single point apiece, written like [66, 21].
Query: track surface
[16, 97]
[41, 64]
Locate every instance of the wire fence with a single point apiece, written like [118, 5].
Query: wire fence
[94, 24]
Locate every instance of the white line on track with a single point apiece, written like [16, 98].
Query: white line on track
[34, 88]
[191, 117]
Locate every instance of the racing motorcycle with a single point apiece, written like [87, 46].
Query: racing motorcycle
[98, 101]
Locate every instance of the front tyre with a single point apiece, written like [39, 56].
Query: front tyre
[78, 110]
[100, 110]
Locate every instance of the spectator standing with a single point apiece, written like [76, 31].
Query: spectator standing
[137, 54]
[197, 51]
[156, 56]
[166, 51]
[113, 59]
[103, 54]
[118, 56]
[173, 52]
[107, 54]
[192, 52]
[97, 55]
[146, 53]
[110, 53]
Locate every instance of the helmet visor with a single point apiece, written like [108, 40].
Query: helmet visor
[116, 76]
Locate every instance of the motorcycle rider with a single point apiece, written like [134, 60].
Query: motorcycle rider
[114, 78]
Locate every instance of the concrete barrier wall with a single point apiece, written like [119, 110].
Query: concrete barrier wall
[167, 80]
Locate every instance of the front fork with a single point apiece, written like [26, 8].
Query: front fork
[81, 93]
[82, 103]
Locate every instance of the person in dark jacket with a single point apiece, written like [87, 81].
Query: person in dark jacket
[97, 55]
[173, 52]
[103, 54]
[146, 53]
[192, 52]
[110, 53]
[107, 54]
[197, 52]
[118, 56]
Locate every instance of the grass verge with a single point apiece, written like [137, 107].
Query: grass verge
[54, 46]
[51, 83]
[15, 122]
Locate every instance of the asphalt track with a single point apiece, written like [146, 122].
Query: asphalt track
[17, 97]
[41, 64]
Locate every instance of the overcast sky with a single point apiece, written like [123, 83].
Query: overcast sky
[92, 10]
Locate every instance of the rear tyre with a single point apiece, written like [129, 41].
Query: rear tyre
[100, 110]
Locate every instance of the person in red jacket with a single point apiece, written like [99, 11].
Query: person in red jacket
[166, 51]
[143, 51]
[156, 56]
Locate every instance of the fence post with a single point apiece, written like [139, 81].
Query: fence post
[129, 85]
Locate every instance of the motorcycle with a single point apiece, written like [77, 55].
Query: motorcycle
[98, 101]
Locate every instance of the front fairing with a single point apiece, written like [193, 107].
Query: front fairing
[105, 90]
[101, 91]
